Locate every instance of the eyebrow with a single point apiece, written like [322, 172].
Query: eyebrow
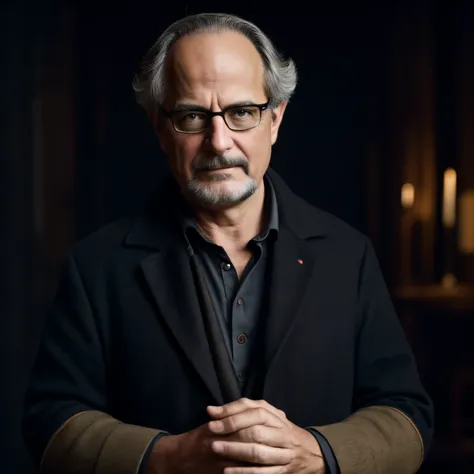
[186, 107]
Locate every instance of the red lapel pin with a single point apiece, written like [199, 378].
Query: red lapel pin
[300, 262]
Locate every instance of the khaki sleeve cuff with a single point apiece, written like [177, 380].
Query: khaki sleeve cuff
[375, 440]
[93, 442]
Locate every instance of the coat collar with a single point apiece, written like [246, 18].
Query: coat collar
[157, 227]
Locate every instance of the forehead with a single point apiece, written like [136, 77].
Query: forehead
[221, 67]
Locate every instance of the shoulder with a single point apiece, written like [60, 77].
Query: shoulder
[340, 238]
[106, 239]
[340, 230]
[310, 222]
[121, 243]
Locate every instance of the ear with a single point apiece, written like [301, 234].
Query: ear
[277, 117]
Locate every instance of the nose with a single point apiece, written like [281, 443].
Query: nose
[219, 136]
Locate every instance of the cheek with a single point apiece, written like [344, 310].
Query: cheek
[264, 143]
[181, 151]
[258, 152]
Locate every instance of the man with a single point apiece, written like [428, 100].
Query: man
[233, 328]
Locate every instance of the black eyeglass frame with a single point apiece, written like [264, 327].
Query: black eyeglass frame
[210, 115]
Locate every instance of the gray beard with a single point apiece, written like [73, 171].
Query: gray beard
[206, 195]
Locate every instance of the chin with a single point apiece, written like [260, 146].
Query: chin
[222, 192]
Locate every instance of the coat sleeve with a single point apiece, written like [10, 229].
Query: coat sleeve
[66, 425]
[391, 426]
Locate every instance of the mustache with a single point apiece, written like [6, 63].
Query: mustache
[218, 162]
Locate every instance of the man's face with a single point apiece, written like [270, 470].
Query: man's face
[212, 71]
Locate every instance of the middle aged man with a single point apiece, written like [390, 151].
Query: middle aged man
[233, 328]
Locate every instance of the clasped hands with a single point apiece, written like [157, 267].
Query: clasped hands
[244, 437]
[261, 435]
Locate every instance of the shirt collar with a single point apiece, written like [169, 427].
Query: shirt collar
[188, 222]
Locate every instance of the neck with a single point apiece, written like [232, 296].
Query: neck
[236, 225]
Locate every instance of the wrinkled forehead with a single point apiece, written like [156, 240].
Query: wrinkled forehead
[214, 66]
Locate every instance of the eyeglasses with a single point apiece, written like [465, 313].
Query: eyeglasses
[196, 119]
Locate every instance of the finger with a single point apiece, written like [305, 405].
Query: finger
[271, 408]
[253, 470]
[261, 434]
[253, 453]
[218, 412]
[221, 463]
[232, 408]
[254, 416]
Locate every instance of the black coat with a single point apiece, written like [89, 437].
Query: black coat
[125, 335]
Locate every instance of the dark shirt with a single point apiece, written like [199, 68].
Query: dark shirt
[238, 303]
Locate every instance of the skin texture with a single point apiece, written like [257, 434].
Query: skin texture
[215, 70]
[244, 437]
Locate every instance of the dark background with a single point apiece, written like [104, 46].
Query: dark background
[385, 96]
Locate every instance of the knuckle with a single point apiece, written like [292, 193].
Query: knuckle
[206, 443]
[230, 424]
[258, 455]
[257, 434]
[265, 404]
[290, 456]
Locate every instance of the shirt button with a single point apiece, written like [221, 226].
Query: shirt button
[240, 301]
[241, 376]
[242, 338]
[226, 266]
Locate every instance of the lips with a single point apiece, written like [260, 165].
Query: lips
[217, 169]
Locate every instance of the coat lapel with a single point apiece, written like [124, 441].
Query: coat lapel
[291, 268]
[168, 275]
[293, 263]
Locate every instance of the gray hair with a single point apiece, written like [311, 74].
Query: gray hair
[280, 75]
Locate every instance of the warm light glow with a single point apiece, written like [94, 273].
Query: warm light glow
[466, 222]
[449, 198]
[408, 195]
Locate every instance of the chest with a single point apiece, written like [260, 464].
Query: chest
[159, 355]
[240, 262]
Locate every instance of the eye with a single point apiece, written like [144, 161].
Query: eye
[193, 116]
[242, 112]
[190, 120]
